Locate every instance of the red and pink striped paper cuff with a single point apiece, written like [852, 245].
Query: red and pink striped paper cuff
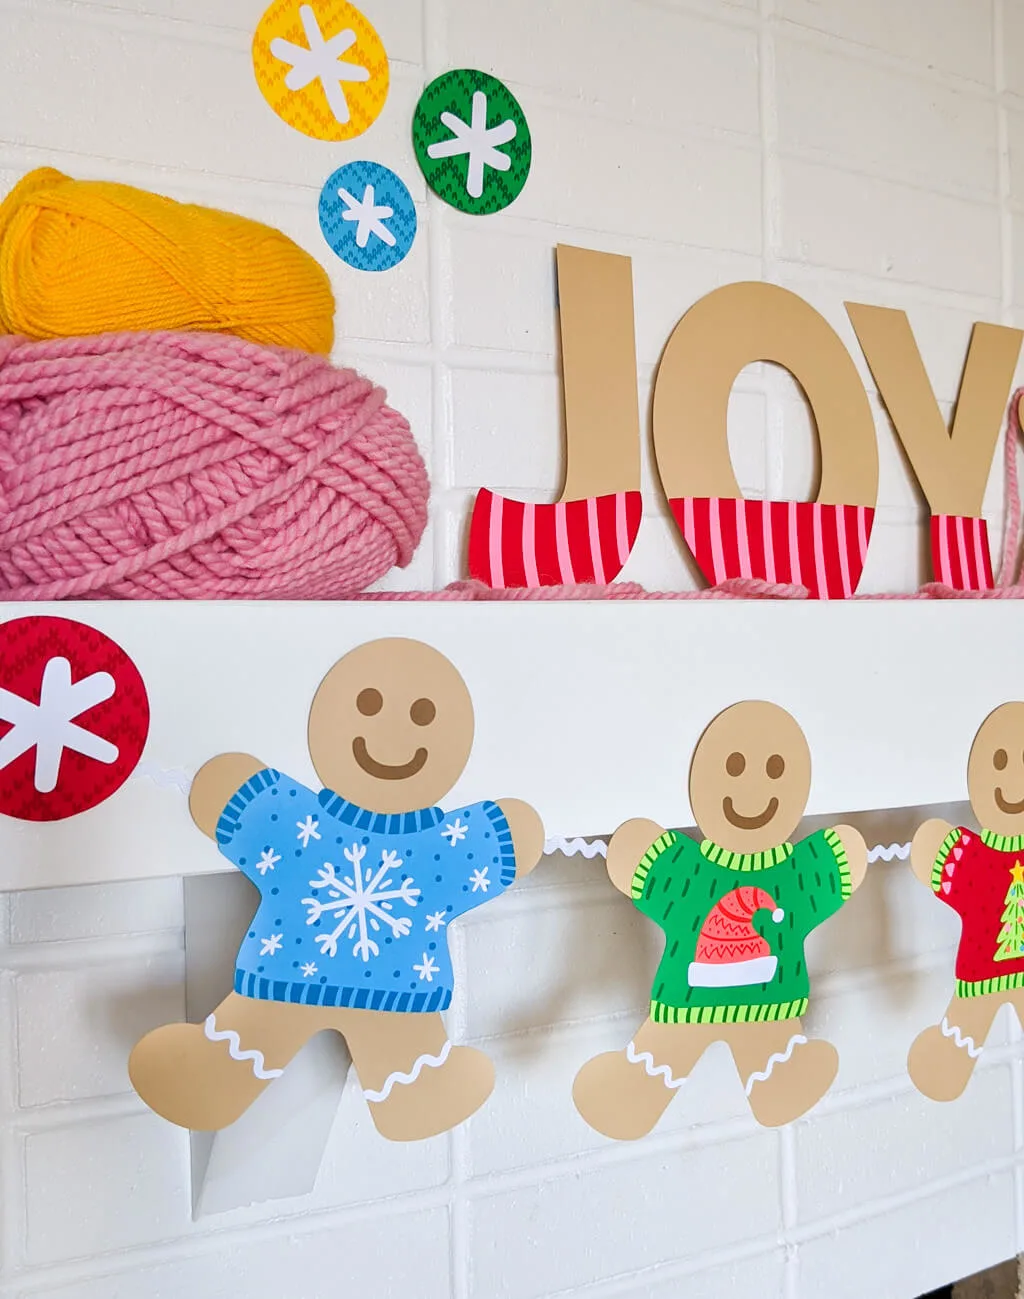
[512, 544]
[821, 547]
[960, 553]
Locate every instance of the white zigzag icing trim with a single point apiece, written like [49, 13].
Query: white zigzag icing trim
[574, 847]
[661, 1071]
[962, 1041]
[398, 1078]
[234, 1043]
[779, 1057]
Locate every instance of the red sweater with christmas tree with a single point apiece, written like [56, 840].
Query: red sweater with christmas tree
[981, 876]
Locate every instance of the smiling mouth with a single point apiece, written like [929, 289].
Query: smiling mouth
[1005, 805]
[384, 770]
[742, 822]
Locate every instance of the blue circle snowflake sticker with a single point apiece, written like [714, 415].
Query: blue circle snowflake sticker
[367, 216]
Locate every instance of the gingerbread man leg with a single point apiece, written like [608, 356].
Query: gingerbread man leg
[415, 1082]
[205, 1076]
[623, 1094]
[783, 1073]
[942, 1058]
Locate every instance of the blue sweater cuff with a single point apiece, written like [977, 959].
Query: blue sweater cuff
[231, 818]
[506, 850]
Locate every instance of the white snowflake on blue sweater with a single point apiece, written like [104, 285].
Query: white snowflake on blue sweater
[340, 897]
[359, 902]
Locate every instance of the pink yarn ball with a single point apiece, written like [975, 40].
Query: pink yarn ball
[198, 466]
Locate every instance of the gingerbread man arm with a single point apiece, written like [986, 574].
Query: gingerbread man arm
[527, 833]
[856, 854]
[625, 848]
[924, 848]
[214, 783]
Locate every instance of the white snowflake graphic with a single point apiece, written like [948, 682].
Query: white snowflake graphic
[320, 62]
[479, 880]
[360, 902]
[308, 829]
[435, 921]
[49, 727]
[455, 833]
[370, 218]
[427, 970]
[271, 944]
[474, 138]
[308, 970]
[268, 860]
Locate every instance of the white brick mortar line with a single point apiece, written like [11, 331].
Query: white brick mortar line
[73, 953]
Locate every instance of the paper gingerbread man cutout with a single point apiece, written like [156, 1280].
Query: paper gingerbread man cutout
[736, 910]
[981, 876]
[358, 886]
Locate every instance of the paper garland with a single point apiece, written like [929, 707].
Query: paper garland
[472, 141]
[367, 216]
[321, 67]
[75, 717]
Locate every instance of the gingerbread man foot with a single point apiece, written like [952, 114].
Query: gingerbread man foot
[436, 1094]
[623, 1094]
[205, 1076]
[942, 1058]
[784, 1073]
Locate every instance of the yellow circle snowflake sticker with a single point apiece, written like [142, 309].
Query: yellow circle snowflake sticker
[321, 67]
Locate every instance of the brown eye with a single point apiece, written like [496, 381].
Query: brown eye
[423, 712]
[735, 764]
[999, 759]
[369, 702]
[775, 766]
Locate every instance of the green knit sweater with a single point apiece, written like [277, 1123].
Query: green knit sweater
[735, 924]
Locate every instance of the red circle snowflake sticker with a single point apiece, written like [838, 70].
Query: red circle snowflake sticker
[74, 717]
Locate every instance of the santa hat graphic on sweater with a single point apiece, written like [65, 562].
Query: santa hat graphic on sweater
[730, 952]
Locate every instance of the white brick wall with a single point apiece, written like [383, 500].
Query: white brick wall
[864, 149]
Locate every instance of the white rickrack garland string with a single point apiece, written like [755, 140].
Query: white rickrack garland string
[599, 848]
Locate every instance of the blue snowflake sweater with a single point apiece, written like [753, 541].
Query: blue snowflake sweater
[354, 904]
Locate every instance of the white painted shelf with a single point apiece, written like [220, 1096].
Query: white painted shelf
[588, 710]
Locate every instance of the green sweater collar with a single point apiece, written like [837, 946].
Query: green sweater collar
[1002, 842]
[745, 861]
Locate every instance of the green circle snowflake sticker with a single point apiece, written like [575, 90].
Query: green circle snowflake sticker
[472, 141]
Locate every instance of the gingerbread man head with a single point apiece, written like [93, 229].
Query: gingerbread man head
[750, 777]
[391, 726]
[995, 771]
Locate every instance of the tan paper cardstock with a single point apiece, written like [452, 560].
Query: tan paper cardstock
[952, 466]
[733, 327]
[358, 886]
[602, 427]
[735, 911]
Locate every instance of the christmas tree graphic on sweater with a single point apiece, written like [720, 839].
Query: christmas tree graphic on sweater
[1011, 936]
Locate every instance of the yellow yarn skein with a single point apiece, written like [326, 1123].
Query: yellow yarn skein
[93, 257]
